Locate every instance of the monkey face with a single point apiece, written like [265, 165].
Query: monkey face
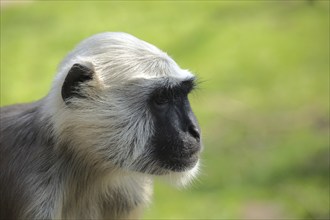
[175, 143]
[152, 128]
[127, 105]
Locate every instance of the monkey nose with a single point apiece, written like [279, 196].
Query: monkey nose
[193, 131]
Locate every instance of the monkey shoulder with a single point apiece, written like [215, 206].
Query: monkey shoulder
[23, 136]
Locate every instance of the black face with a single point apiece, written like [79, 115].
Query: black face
[176, 141]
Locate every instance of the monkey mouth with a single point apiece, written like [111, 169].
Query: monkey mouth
[185, 156]
[162, 165]
[181, 162]
[181, 166]
[172, 155]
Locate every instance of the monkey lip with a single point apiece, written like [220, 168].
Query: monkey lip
[187, 154]
[186, 158]
[177, 156]
[182, 162]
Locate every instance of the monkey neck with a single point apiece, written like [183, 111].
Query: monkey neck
[91, 190]
[111, 195]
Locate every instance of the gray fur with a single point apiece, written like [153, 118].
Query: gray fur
[87, 160]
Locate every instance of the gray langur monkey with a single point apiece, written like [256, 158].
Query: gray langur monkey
[117, 115]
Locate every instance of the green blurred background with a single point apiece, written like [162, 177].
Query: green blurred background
[263, 100]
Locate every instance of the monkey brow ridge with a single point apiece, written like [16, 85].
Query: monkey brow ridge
[182, 87]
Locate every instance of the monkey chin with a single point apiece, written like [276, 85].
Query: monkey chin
[183, 178]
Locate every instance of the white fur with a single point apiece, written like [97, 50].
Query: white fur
[116, 58]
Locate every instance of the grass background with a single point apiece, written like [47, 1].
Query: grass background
[263, 103]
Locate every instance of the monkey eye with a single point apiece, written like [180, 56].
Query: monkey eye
[161, 100]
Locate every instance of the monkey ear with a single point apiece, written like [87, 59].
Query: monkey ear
[71, 87]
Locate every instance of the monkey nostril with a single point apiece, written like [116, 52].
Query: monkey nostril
[193, 131]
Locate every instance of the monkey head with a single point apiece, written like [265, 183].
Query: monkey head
[123, 103]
